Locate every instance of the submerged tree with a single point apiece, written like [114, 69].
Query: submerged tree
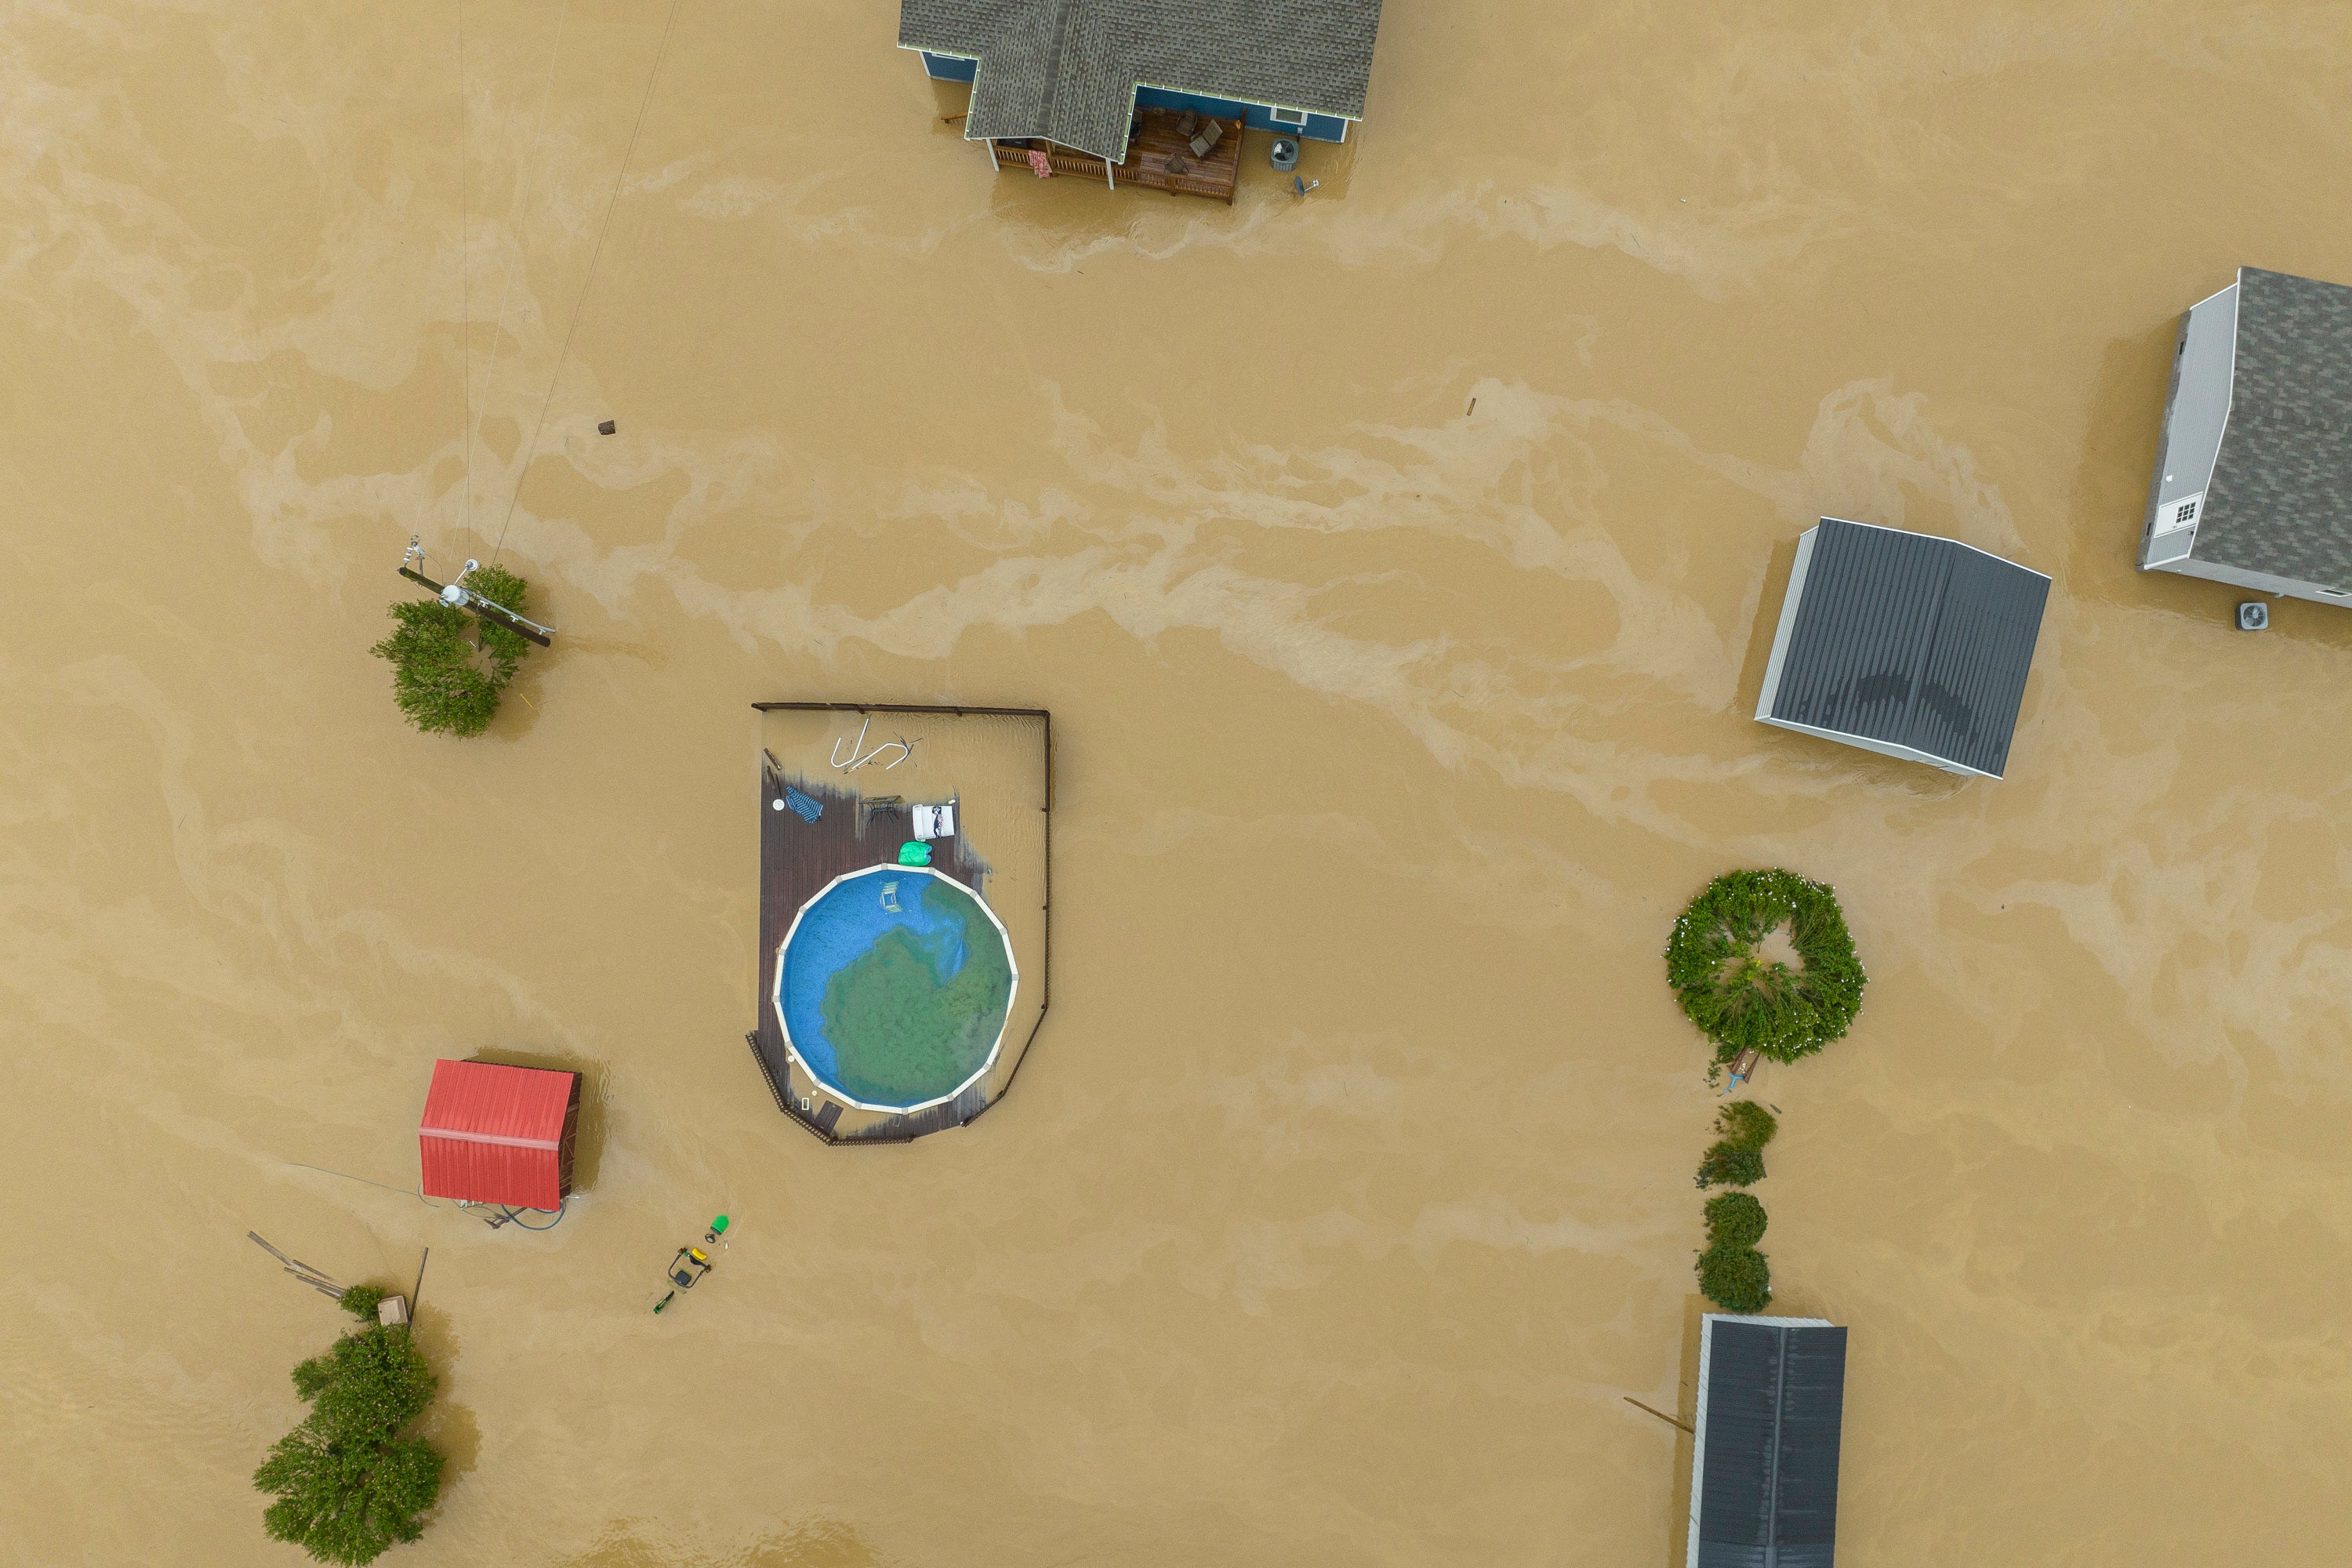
[1730, 1165]
[1747, 1124]
[348, 1485]
[1736, 1278]
[1735, 1220]
[443, 683]
[1742, 998]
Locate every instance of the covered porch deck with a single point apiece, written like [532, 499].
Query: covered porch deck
[1159, 156]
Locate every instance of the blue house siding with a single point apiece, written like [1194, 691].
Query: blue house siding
[1256, 116]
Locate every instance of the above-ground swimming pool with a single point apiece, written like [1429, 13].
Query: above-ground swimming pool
[894, 986]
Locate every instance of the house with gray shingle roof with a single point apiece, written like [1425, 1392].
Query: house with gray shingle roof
[1074, 72]
[2254, 472]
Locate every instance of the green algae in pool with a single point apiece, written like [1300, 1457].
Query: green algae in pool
[895, 987]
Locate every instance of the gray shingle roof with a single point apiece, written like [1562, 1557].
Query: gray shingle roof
[1068, 69]
[1911, 640]
[1766, 1468]
[2281, 498]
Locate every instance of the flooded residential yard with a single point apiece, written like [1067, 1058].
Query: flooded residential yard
[1398, 564]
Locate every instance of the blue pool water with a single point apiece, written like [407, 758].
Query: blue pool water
[840, 927]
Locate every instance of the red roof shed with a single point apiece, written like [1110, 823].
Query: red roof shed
[495, 1134]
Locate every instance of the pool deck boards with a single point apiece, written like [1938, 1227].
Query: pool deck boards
[996, 763]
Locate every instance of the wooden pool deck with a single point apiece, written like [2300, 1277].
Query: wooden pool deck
[996, 764]
[1158, 158]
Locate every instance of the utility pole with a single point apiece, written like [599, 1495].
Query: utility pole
[459, 596]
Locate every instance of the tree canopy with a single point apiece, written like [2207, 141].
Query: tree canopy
[1742, 999]
[443, 683]
[348, 1484]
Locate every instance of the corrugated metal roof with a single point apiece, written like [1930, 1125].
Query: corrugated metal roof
[494, 1134]
[1770, 1430]
[1911, 640]
[2281, 497]
[1068, 70]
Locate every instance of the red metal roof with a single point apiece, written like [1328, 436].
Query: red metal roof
[494, 1134]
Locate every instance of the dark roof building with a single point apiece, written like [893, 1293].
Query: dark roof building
[2254, 474]
[1905, 644]
[1072, 72]
[1764, 1464]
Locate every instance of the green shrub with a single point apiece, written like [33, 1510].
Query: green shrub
[347, 1484]
[443, 683]
[1730, 1165]
[1742, 1001]
[361, 1300]
[1736, 1278]
[1734, 1219]
[1746, 1123]
[501, 646]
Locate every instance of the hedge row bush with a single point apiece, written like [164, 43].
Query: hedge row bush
[1731, 1273]
[1736, 1278]
[348, 1485]
[1734, 1219]
[1746, 1123]
[1730, 1165]
[1743, 1001]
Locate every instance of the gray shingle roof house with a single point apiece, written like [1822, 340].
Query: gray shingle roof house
[2253, 475]
[1071, 70]
[1764, 1462]
[1905, 644]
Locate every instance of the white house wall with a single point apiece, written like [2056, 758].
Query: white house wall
[1790, 600]
[2258, 582]
[2196, 415]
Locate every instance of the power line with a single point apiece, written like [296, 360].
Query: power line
[465, 269]
[595, 256]
[498, 324]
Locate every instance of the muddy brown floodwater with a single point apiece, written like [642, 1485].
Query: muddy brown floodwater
[1346, 1193]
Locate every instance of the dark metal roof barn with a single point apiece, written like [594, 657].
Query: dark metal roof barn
[1764, 1464]
[1068, 69]
[2253, 475]
[1905, 644]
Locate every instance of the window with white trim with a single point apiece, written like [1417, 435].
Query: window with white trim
[1294, 118]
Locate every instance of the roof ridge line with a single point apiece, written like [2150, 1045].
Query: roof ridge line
[1941, 539]
[1062, 9]
[1928, 647]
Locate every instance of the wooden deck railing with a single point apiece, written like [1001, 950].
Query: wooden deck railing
[1158, 157]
